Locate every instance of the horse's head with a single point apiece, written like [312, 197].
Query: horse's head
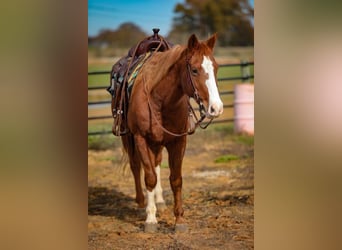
[202, 71]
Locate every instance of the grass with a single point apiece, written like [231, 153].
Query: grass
[109, 158]
[244, 139]
[101, 126]
[228, 129]
[232, 71]
[100, 66]
[164, 165]
[223, 128]
[99, 80]
[226, 158]
[237, 53]
[103, 142]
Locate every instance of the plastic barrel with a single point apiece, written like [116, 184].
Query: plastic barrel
[244, 108]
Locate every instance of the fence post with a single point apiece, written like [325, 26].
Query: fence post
[245, 71]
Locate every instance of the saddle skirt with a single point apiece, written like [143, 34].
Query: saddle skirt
[119, 72]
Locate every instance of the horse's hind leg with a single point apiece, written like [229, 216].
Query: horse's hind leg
[136, 170]
[135, 164]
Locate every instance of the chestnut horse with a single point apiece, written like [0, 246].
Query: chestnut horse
[157, 117]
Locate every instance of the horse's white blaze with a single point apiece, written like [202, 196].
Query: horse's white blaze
[215, 103]
[158, 189]
[151, 208]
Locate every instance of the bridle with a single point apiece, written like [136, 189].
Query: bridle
[192, 113]
[197, 98]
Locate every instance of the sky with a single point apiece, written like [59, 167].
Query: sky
[147, 14]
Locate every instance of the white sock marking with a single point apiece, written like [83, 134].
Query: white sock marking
[151, 208]
[158, 190]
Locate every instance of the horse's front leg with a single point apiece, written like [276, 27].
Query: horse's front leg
[176, 151]
[159, 190]
[148, 159]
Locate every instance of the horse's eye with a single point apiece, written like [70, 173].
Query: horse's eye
[194, 71]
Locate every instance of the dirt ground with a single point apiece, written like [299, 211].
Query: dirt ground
[218, 198]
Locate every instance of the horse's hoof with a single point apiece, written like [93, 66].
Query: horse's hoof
[150, 227]
[161, 207]
[181, 228]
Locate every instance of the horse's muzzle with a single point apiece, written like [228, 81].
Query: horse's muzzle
[215, 110]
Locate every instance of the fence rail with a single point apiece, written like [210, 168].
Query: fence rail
[245, 76]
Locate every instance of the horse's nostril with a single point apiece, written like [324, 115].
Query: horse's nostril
[212, 110]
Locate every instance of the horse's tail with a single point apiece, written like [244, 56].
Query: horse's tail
[127, 152]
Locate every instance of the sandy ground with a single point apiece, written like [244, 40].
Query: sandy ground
[218, 199]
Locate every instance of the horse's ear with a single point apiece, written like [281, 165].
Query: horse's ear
[192, 42]
[211, 41]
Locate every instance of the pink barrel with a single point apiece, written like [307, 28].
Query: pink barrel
[244, 108]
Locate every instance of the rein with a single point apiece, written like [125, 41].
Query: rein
[192, 112]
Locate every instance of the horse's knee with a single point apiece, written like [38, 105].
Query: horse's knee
[176, 181]
[150, 181]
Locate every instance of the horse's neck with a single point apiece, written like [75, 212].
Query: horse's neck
[169, 92]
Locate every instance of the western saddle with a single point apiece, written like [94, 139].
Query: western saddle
[123, 74]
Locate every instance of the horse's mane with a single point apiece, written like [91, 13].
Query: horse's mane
[160, 63]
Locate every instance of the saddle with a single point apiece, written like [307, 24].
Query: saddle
[123, 74]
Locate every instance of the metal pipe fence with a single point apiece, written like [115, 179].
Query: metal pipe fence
[245, 76]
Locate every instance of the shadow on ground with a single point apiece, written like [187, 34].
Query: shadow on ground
[109, 202]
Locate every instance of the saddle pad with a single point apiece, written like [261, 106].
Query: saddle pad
[135, 72]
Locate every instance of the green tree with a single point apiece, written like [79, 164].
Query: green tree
[127, 35]
[231, 19]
